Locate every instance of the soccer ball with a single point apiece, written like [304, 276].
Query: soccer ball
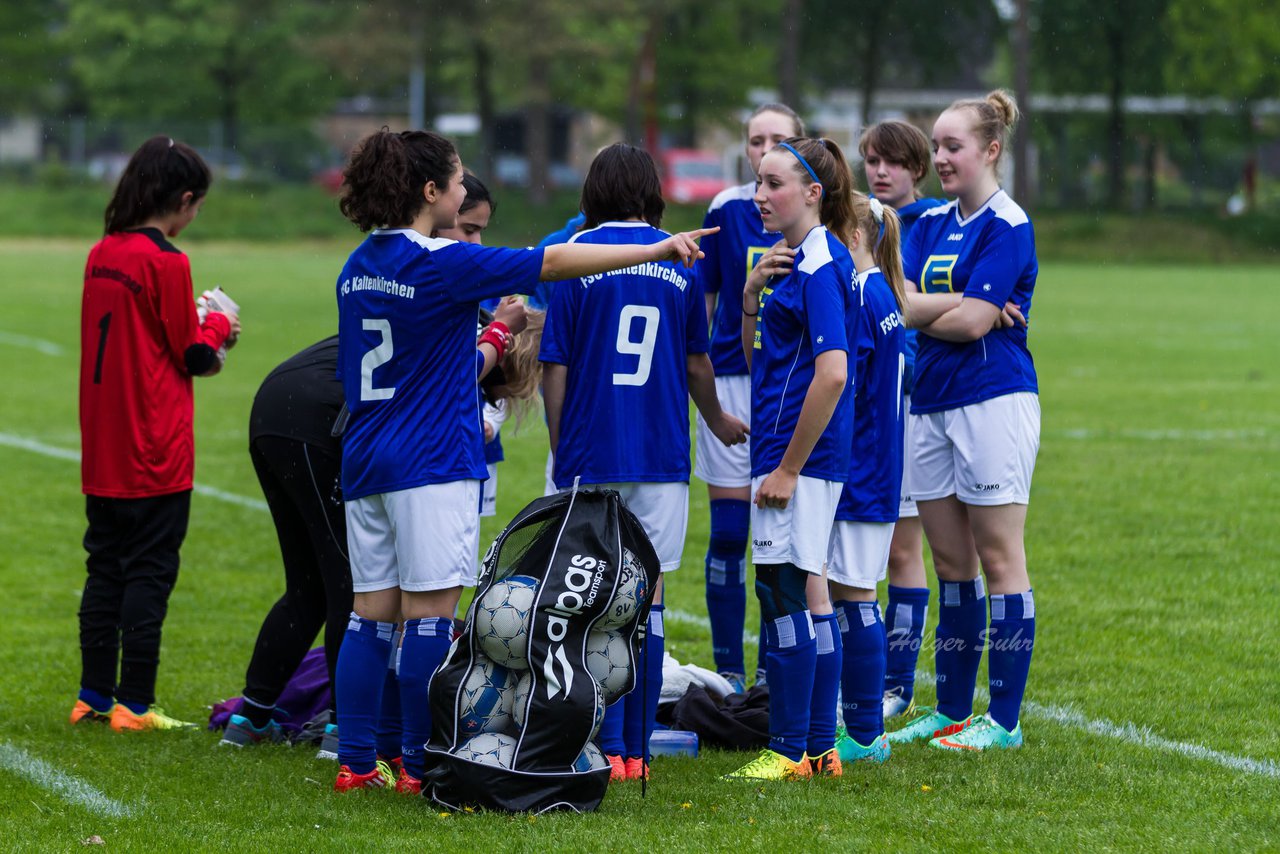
[502, 621]
[632, 587]
[489, 748]
[486, 699]
[591, 758]
[520, 699]
[609, 661]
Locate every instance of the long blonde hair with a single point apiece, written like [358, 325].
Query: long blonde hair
[522, 370]
[871, 215]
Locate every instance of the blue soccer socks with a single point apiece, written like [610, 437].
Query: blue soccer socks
[862, 676]
[726, 576]
[904, 622]
[362, 665]
[640, 710]
[390, 728]
[426, 642]
[826, 685]
[962, 622]
[792, 656]
[1009, 646]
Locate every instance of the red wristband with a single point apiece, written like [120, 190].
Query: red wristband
[498, 336]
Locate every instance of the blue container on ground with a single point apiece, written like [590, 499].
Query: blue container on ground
[673, 742]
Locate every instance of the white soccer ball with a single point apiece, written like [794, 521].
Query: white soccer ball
[489, 748]
[632, 587]
[591, 758]
[487, 696]
[520, 699]
[609, 661]
[502, 621]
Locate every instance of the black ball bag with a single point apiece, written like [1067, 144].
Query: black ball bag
[573, 545]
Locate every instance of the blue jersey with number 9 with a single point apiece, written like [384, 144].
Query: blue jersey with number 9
[407, 311]
[625, 338]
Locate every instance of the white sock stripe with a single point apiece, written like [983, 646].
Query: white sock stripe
[842, 620]
[826, 641]
[786, 630]
[979, 588]
[950, 593]
[902, 615]
[868, 612]
[997, 606]
[657, 626]
[1028, 605]
[808, 618]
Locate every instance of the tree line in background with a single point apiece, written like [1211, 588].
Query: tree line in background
[269, 68]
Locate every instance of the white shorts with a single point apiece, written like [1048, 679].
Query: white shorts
[489, 493]
[663, 510]
[859, 553]
[425, 538]
[800, 533]
[906, 502]
[983, 453]
[714, 463]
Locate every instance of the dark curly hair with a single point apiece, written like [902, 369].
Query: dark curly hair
[382, 184]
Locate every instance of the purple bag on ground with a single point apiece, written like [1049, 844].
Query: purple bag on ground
[307, 695]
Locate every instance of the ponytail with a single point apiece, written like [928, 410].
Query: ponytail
[158, 175]
[382, 184]
[994, 118]
[880, 227]
[823, 161]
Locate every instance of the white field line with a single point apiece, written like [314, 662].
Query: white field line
[1065, 715]
[1131, 733]
[26, 341]
[25, 444]
[1169, 435]
[70, 789]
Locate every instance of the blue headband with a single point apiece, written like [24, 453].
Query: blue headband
[805, 164]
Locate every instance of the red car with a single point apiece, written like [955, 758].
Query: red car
[691, 175]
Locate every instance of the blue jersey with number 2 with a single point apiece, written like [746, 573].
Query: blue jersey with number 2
[407, 311]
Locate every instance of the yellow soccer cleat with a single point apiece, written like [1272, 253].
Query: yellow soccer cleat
[124, 720]
[771, 765]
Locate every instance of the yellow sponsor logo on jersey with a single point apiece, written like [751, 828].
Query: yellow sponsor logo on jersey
[764, 297]
[935, 278]
[754, 253]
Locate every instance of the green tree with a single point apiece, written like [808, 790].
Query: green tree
[1227, 48]
[31, 61]
[864, 44]
[1120, 47]
[224, 60]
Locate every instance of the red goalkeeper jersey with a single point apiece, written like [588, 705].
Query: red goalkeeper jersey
[140, 344]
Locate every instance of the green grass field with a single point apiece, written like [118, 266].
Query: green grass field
[1152, 707]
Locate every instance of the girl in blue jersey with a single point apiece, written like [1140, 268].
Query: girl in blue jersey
[868, 507]
[616, 347]
[895, 159]
[473, 218]
[975, 416]
[727, 470]
[796, 316]
[413, 453]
